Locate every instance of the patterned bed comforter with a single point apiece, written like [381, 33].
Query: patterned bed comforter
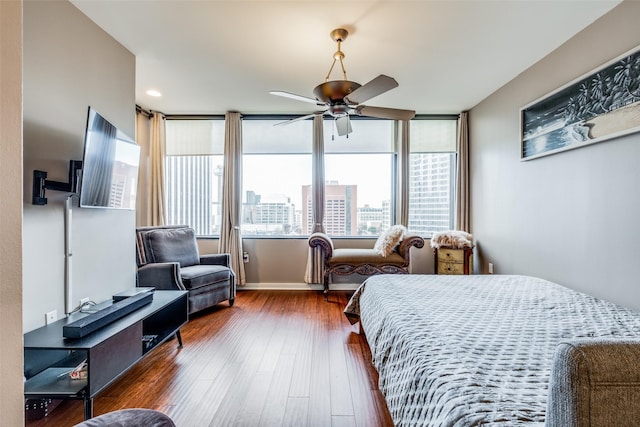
[474, 350]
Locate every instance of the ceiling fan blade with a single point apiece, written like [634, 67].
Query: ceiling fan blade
[296, 97]
[343, 125]
[308, 116]
[375, 87]
[385, 113]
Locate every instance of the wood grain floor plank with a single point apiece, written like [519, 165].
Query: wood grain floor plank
[343, 421]
[301, 375]
[278, 394]
[296, 412]
[320, 386]
[341, 402]
[253, 402]
[361, 389]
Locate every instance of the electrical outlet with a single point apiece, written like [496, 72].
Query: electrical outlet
[51, 316]
[490, 268]
[245, 257]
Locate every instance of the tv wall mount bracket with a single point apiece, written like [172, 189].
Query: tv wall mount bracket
[41, 183]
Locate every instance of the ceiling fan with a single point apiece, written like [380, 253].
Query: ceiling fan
[342, 98]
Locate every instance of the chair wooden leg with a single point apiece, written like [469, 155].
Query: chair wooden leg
[326, 287]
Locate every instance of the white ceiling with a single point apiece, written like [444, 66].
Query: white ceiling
[208, 57]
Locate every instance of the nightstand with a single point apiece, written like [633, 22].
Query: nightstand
[453, 261]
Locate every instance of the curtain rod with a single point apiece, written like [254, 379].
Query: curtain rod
[147, 113]
[284, 116]
[195, 116]
[292, 116]
[139, 109]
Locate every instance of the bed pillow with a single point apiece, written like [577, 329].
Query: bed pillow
[389, 240]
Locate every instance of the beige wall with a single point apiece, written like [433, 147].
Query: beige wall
[571, 217]
[11, 399]
[69, 64]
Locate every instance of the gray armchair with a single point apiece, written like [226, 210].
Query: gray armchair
[168, 258]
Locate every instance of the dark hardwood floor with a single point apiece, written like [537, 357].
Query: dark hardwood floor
[276, 358]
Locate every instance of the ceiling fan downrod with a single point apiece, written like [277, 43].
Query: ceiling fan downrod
[338, 35]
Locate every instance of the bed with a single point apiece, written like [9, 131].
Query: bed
[482, 350]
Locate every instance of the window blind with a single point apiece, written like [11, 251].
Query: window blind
[194, 137]
[433, 136]
[272, 137]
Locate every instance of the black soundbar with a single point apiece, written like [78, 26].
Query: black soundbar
[131, 293]
[102, 318]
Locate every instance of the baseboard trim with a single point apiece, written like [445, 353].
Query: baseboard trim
[297, 287]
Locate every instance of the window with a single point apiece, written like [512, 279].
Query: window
[432, 171]
[359, 179]
[193, 174]
[360, 176]
[276, 170]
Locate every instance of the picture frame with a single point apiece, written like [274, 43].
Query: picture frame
[600, 105]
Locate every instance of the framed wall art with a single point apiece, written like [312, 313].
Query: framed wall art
[598, 106]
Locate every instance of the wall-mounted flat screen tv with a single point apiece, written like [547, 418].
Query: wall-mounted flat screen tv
[109, 166]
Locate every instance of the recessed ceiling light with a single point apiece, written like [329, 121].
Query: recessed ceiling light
[153, 92]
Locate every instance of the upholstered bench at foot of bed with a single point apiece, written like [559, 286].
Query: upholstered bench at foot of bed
[366, 262]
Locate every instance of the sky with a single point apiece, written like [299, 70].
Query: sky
[286, 174]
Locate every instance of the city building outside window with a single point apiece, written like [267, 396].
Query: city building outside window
[276, 166]
[359, 173]
[432, 171]
[193, 174]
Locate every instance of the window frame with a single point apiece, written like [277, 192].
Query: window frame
[394, 181]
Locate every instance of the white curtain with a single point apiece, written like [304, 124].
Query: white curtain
[150, 201]
[462, 175]
[230, 234]
[315, 265]
[402, 148]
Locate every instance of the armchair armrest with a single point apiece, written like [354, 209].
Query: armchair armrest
[322, 241]
[216, 259]
[594, 382]
[408, 242]
[162, 275]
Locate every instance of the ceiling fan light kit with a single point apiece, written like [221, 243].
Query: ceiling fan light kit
[344, 97]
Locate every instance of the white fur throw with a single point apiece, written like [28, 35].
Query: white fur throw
[389, 240]
[453, 239]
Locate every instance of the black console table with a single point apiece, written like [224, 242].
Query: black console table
[109, 352]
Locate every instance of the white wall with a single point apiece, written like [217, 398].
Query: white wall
[571, 217]
[11, 398]
[69, 64]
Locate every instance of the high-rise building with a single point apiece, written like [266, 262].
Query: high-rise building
[193, 188]
[431, 190]
[189, 187]
[369, 220]
[268, 214]
[340, 210]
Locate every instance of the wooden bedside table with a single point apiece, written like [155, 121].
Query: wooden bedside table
[453, 261]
